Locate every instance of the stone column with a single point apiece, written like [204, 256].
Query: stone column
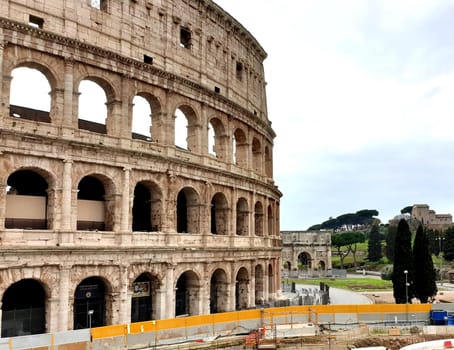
[252, 285]
[69, 120]
[3, 104]
[124, 306]
[66, 200]
[125, 200]
[64, 310]
[170, 288]
[2, 203]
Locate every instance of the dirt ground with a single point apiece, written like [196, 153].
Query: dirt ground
[387, 297]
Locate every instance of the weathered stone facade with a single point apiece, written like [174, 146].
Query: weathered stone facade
[104, 226]
[306, 252]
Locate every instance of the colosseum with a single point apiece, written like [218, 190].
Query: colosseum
[136, 158]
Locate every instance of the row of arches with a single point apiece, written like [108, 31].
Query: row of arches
[153, 115]
[31, 204]
[26, 305]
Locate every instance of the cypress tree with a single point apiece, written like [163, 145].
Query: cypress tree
[390, 241]
[374, 252]
[448, 244]
[403, 261]
[425, 286]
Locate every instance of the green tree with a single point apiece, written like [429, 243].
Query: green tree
[448, 244]
[374, 248]
[424, 280]
[355, 238]
[403, 264]
[406, 210]
[345, 243]
[390, 241]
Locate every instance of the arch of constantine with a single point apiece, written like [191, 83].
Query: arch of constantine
[117, 218]
[306, 253]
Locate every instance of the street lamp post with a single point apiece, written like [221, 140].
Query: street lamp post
[406, 292]
[440, 255]
[90, 314]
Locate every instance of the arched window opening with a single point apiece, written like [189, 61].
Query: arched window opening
[188, 211]
[240, 148]
[256, 156]
[99, 4]
[218, 292]
[30, 101]
[321, 265]
[90, 304]
[270, 221]
[187, 294]
[91, 204]
[241, 289]
[141, 119]
[23, 309]
[146, 209]
[92, 107]
[143, 298]
[268, 162]
[219, 214]
[211, 140]
[259, 285]
[270, 282]
[26, 201]
[242, 217]
[181, 130]
[217, 139]
[258, 219]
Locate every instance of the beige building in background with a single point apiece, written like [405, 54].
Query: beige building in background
[103, 223]
[423, 214]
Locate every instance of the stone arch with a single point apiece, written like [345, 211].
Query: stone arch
[218, 291]
[271, 286]
[143, 297]
[242, 289]
[24, 308]
[25, 100]
[95, 203]
[256, 155]
[242, 217]
[187, 294]
[270, 216]
[145, 108]
[268, 162]
[240, 148]
[93, 103]
[258, 218]
[186, 117]
[259, 285]
[304, 261]
[92, 303]
[188, 211]
[147, 207]
[219, 144]
[219, 214]
[30, 199]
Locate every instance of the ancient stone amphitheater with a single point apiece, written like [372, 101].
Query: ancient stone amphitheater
[127, 214]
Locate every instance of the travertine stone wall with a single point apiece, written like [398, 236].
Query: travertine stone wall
[177, 54]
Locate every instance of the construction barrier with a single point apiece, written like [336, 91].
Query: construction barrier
[206, 327]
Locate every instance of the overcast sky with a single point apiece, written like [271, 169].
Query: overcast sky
[361, 96]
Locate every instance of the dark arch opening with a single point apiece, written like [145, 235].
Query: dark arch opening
[26, 202]
[141, 299]
[182, 209]
[90, 304]
[91, 204]
[218, 292]
[23, 309]
[141, 209]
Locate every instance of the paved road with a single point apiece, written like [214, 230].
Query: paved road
[337, 296]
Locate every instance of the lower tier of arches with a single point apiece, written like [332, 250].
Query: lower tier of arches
[74, 290]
